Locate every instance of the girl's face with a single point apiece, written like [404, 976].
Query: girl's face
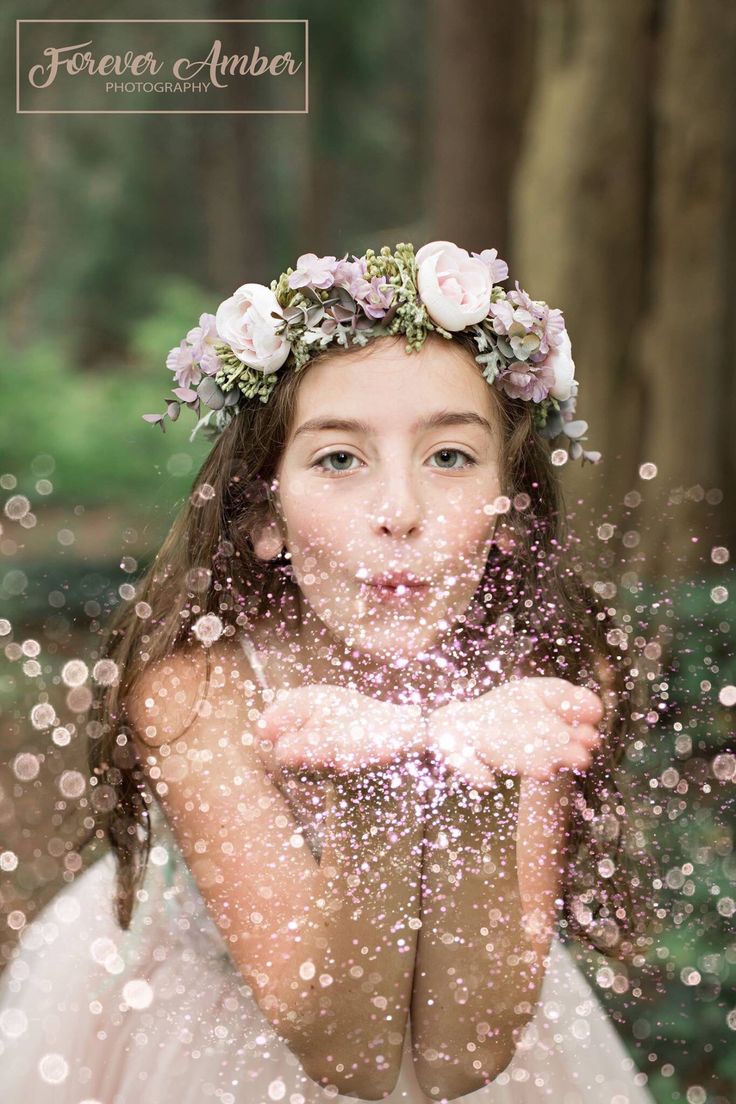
[391, 466]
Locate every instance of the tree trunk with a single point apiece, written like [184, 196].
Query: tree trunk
[480, 59]
[623, 215]
[234, 157]
[686, 353]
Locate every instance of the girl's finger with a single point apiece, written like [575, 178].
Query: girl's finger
[571, 703]
[323, 745]
[585, 734]
[576, 756]
[472, 771]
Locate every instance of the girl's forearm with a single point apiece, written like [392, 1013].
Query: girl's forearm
[477, 977]
[363, 947]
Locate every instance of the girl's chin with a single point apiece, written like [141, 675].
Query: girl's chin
[390, 642]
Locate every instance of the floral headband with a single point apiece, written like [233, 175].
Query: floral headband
[523, 345]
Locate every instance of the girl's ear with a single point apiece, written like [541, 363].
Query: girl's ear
[268, 542]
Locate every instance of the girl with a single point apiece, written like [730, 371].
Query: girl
[357, 732]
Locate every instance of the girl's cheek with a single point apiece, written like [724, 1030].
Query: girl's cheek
[465, 526]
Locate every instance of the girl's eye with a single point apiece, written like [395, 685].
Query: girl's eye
[451, 452]
[341, 454]
[343, 459]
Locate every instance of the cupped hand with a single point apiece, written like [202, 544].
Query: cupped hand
[533, 726]
[324, 728]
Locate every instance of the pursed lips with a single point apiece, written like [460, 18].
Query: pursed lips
[395, 580]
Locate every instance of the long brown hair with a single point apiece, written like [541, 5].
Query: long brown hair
[534, 604]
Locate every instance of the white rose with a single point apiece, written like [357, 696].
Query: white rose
[561, 362]
[244, 321]
[454, 287]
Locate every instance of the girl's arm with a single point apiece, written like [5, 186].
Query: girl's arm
[490, 877]
[327, 949]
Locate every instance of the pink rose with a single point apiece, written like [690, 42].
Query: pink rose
[561, 362]
[454, 287]
[244, 321]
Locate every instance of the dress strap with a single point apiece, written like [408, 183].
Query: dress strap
[254, 660]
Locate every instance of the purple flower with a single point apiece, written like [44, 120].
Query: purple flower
[530, 327]
[555, 326]
[349, 273]
[375, 297]
[512, 318]
[313, 271]
[530, 382]
[498, 269]
[210, 362]
[203, 336]
[181, 362]
[195, 354]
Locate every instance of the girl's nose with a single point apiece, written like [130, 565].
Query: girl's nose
[398, 508]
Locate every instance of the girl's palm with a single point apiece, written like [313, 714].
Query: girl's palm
[533, 726]
[324, 728]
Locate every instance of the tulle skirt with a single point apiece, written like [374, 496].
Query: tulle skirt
[158, 1014]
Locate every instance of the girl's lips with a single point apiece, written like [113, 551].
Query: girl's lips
[399, 593]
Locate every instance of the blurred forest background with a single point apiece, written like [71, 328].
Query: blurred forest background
[594, 144]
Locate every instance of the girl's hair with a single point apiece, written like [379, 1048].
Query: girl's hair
[537, 616]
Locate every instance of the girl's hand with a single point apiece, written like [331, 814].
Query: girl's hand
[329, 729]
[533, 726]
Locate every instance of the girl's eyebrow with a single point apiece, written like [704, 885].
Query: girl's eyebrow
[433, 421]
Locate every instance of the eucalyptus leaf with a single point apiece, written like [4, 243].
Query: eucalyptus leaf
[211, 393]
[554, 424]
[344, 298]
[310, 293]
[574, 429]
[341, 313]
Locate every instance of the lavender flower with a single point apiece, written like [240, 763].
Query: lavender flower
[530, 382]
[528, 328]
[180, 361]
[204, 335]
[349, 273]
[203, 339]
[375, 297]
[498, 269]
[313, 271]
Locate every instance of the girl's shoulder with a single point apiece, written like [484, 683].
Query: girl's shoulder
[171, 693]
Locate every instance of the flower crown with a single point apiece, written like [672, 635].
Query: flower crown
[523, 345]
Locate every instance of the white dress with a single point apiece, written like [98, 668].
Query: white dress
[159, 1014]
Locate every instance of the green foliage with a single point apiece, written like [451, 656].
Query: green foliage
[90, 423]
[685, 760]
